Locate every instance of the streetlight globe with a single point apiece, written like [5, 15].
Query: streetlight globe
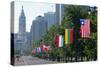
[89, 12]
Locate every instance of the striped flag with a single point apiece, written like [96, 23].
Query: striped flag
[39, 49]
[85, 28]
[69, 35]
[59, 41]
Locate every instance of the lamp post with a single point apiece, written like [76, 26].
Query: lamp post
[92, 9]
[89, 11]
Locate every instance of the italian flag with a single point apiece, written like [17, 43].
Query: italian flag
[59, 41]
[69, 36]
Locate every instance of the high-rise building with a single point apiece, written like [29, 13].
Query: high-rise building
[21, 40]
[38, 29]
[50, 17]
[59, 13]
[35, 30]
[28, 43]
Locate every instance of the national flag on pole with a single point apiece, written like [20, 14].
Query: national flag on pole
[85, 28]
[69, 35]
[43, 47]
[39, 49]
[59, 41]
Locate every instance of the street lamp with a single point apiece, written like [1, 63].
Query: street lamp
[92, 9]
[89, 11]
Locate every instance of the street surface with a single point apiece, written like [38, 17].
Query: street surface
[29, 60]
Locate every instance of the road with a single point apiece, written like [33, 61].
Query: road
[29, 60]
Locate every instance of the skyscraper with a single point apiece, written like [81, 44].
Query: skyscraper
[59, 13]
[38, 29]
[22, 23]
[21, 39]
[50, 18]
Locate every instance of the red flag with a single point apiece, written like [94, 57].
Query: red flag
[43, 47]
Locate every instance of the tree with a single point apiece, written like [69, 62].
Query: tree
[81, 47]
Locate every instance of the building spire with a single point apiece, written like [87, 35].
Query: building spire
[22, 6]
[22, 21]
[22, 11]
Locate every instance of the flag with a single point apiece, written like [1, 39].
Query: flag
[59, 41]
[69, 35]
[39, 49]
[85, 28]
[43, 47]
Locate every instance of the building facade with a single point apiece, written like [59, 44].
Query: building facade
[59, 13]
[50, 18]
[38, 29]
[20, 37]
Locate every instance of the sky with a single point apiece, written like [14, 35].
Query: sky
[31, 10]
